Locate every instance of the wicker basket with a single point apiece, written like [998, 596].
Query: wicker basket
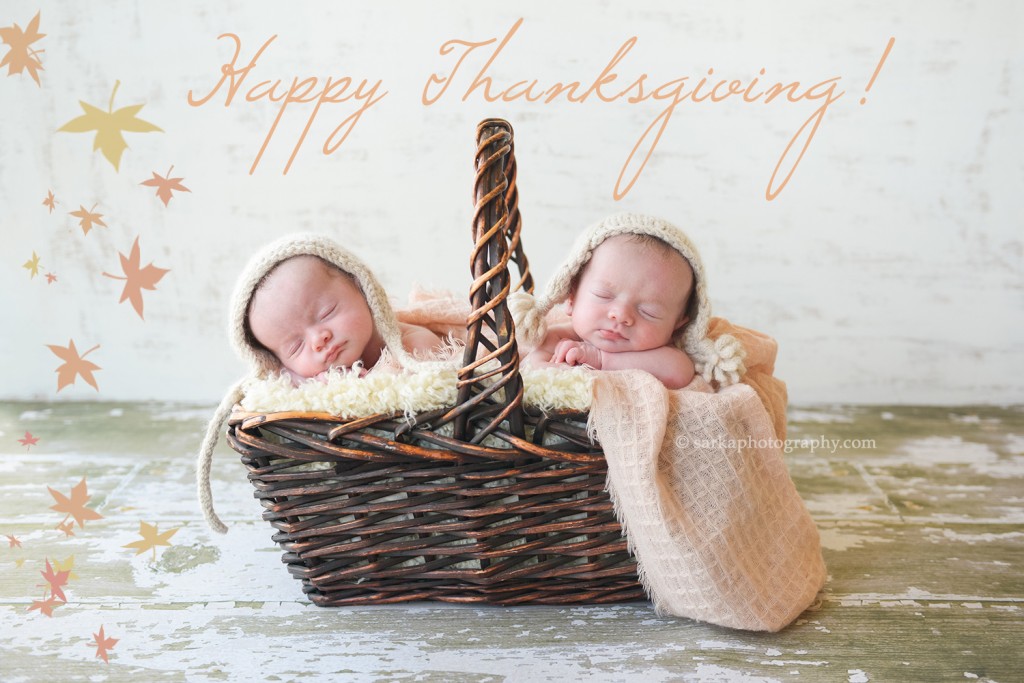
[484, 502]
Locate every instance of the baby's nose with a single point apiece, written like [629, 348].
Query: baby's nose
[620, 314]
[320, 338]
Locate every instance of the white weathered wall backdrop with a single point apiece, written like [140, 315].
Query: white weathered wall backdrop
[889, 268]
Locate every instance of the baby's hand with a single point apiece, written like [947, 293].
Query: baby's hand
[572, 352]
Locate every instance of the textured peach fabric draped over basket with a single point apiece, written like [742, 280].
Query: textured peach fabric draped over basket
[699, 483]
[701, 489]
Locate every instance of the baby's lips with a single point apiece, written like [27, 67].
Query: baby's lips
[333, 354]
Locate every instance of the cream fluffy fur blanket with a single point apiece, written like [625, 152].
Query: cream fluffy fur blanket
[389, 389]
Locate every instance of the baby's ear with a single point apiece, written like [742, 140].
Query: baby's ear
[568, 303]
[683, 319]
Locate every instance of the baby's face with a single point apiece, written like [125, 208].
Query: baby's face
[631, 296]
[313, 317]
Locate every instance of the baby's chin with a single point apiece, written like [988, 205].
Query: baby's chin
[620, 345]
[610, 345]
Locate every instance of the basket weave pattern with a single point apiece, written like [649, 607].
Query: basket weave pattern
[483, 502]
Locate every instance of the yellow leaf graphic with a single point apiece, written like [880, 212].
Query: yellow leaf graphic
[68, 565]
[32, 265]
[151, 538]
[109, 125]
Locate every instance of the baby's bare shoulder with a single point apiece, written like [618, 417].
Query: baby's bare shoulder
[417, 338]
[409, 328]
[557, 333]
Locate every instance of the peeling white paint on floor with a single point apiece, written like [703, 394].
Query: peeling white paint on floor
[214, 606]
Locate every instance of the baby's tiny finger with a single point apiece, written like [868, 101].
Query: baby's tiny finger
[560, 350]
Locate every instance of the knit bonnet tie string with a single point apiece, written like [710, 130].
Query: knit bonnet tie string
[205, 459]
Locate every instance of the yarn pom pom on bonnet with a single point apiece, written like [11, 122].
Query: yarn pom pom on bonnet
[719, 360]
[262, 362]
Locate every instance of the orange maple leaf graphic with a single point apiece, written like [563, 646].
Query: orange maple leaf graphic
[56, 580]
[50, 200]
[45, 606]
[151, 538]
[165, 186]
[137, 279]
[108, 126]
[103, 644]
[32, 265]
[13, 542]
[28, 441]
[74, 506]
[87, 218]
[67, 527]
[50, 278]
[74, 365]
[21, 55]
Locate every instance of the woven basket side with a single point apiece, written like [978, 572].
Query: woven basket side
[481, 502]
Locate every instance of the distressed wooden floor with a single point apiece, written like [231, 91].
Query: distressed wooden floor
[923, 536]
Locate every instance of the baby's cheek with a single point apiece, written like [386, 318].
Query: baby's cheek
[639, 339]
[581, 324]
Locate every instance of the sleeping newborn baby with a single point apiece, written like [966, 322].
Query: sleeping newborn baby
[625, 306]
[636, 295]
[312, 316]
[302, 306]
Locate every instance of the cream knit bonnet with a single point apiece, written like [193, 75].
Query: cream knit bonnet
[263, 363]
[719, 360]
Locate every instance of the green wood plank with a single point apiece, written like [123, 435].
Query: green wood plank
[922, 535]
[951, 562]
[882, 642]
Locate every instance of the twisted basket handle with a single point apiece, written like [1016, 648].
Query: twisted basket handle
[488, 397]
[515, 222]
